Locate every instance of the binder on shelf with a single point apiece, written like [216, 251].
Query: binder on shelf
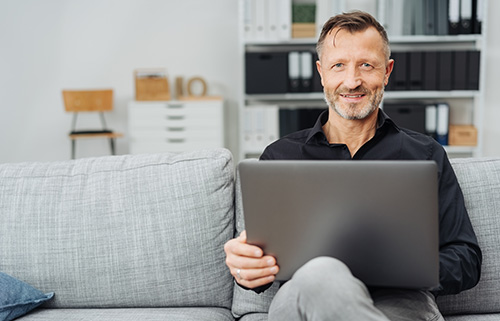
[390, 83]
[445, 70]
[430, 18]
[288, 121]
[266, 72]
[249, 20]
[272, 125]
[273, 20]
[441, 17]
[400, 73]
[284, 19]
[267, 20]
[473, 61]
[261, 126]
[292, 120]
[279, 19]
[248, 139]
[306, 71]
[393, 16]
[415, 61]
[420, 18]
[431, 120]
[478, 14]
[324, 10]
[294, 71]
[442, 128]
[407, 115]
[316, 86]
[460, 70]
[260, 20]
[408, 17]
[258, 127]
[454, 17]
[430, 67]
[466, 16]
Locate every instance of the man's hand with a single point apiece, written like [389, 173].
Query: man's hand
[248, 264]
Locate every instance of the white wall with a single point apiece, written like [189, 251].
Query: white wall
[49, 45]
[46, 46]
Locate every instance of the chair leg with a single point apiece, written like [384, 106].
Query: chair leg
[112, 145]
[73, 147]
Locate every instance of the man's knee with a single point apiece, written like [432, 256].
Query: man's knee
[325, 273]
[322, 267]
[323, 287]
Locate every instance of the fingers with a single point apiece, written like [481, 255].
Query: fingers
[248, 264]
[239, 247]
[252, 278]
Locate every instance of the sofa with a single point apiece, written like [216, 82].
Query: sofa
[140, 237]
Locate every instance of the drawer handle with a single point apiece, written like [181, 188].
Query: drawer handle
[179, 117]
[174, 106]
[175, 129]
[175, 140]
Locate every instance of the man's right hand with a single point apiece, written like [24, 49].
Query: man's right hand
[248, 264]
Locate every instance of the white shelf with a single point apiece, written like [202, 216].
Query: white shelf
[387, 95]
[461, 150]
[284, 97]
[431, 94]
[457, 41]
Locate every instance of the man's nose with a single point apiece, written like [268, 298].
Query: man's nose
[352, 78]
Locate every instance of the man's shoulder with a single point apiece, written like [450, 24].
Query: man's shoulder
[419, 142]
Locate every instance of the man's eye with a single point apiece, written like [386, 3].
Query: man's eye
[366, 65]
[338, 65]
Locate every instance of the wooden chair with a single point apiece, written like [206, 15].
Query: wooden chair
[99, 101]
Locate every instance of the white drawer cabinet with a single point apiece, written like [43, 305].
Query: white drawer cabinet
[175, 126]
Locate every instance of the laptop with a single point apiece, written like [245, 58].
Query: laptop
[378, 217]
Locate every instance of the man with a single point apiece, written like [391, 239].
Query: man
[354, 66]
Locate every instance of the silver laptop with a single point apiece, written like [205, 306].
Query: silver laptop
[379, 217]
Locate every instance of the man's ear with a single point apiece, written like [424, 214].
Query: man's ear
[318, 67]
[388, 71]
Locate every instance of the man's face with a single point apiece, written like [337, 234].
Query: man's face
[354, 71]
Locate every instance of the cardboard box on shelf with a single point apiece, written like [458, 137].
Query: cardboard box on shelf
[303, 30]
[151, 84]
[462, 135]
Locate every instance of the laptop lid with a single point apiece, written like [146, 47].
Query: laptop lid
[379, 217]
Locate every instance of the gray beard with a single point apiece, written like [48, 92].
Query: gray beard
[351, 112]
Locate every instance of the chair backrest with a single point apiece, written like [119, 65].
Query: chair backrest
[88, 100]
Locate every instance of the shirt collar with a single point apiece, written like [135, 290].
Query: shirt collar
[383, 121]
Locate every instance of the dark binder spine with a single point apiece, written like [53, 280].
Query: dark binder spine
[460, 68]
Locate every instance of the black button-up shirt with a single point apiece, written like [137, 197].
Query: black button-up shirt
[459, 253]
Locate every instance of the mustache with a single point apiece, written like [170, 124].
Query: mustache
[357, 90]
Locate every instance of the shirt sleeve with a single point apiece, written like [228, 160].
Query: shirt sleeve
[460, 257]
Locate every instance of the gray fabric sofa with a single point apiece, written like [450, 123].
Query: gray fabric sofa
[140, 237]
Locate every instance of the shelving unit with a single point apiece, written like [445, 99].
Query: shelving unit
[466, 106]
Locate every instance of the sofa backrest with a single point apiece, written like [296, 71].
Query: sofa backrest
[121, 231]
[480, 183]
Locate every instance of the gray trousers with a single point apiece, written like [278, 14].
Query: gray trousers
[325, 289]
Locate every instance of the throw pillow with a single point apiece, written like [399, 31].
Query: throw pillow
[18, 298]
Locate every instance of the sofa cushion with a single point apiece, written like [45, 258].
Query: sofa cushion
[247, 303]
[18, 298]
[480, 183]
[131, 314]
[121, 231]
